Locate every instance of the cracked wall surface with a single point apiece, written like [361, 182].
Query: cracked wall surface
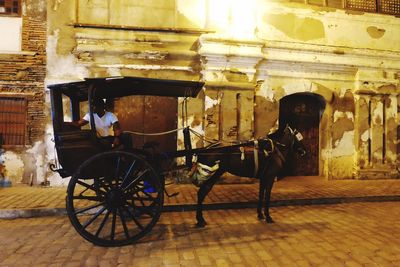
[351, 59]
[22, 75]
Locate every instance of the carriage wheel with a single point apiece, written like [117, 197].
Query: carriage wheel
[114, 198]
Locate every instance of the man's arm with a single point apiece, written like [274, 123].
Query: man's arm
[79, 123]
[117, 133]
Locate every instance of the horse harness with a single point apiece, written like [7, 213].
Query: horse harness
[201, 172]
[256, 150]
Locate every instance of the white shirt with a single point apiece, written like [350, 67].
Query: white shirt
[103, 124]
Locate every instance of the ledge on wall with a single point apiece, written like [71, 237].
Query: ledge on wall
[137, 28]
[24, 53]
[232, 85]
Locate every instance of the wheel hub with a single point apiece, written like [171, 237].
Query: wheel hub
[115, 198]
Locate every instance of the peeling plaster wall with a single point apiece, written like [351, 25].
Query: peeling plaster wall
[75, 53]
[326, 26]
[351, 59]
[334, 53]
[22, 74]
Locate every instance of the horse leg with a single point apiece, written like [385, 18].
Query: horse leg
[270, 179]
[205, 188]
[261, 191]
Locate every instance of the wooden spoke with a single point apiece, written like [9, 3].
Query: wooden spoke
[140, 200]
[148, 195]
[89, 208]
[114, 219]
[117, 167]
[103, 222]
[81, 193]
[90, 198]
[80, 182]
[111, 207]
[127, 173]
[134, 219]
[122, 217]
[144, 209]
[136, 180]
[91, 220]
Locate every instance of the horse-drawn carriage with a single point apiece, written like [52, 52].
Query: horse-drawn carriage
[115, 196]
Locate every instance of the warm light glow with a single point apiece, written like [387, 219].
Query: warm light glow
[243, 18]
[218, 14]
[236, 18]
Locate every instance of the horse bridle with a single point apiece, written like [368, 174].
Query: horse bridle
[297, 135]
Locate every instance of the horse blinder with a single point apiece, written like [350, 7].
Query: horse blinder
[300, 146]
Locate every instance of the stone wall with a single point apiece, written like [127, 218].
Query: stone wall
[22, 73]
[250, 54]
[331, 52]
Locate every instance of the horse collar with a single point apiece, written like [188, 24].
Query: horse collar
[255, 151]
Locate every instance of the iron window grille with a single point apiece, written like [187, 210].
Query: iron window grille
[13, 120]
[390, 7]
[10, 8]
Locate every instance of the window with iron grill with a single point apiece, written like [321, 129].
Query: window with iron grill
[391, 7]
[12, 120]
[10, 7]
[362, 5]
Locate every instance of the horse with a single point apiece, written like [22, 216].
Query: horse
[263, 159]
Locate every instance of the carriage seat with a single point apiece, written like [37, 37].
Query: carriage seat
[152, 147]
[78, 138]
[151, 144]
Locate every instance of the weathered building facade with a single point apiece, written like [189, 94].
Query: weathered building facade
[22, 96]
[263, 62]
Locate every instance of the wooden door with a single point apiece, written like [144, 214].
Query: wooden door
[149, 114]
[303, 112]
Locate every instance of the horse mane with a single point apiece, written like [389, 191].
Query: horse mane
[277, 134]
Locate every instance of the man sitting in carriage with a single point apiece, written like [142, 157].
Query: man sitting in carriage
[104, 121]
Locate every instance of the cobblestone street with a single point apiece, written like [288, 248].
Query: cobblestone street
[353, 234]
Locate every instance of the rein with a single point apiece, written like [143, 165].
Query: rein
[154, 134]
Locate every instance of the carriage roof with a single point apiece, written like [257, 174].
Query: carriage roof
[113, 87]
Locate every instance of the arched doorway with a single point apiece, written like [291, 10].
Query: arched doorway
[303, 111]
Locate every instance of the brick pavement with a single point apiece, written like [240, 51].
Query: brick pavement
[351, 234]
[25, 201]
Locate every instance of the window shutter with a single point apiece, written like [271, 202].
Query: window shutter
[389, 7]
[335, 3]
[13, 120]
[10, 7]
[362, 5]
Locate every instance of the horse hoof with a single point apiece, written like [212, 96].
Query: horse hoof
[260, 217]
[269, 220]
[201, 224]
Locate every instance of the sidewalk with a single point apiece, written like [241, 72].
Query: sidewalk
[24, 201]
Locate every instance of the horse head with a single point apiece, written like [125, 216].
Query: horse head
[294, 140]
[289, 139]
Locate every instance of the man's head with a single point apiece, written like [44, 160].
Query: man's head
[99, 106]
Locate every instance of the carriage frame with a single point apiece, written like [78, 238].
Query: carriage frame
[114, 197]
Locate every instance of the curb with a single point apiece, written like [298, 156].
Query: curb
[31, 213]
[281, 203]
[44, 212]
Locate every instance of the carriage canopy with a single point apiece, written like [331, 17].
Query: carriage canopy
[113, 87]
